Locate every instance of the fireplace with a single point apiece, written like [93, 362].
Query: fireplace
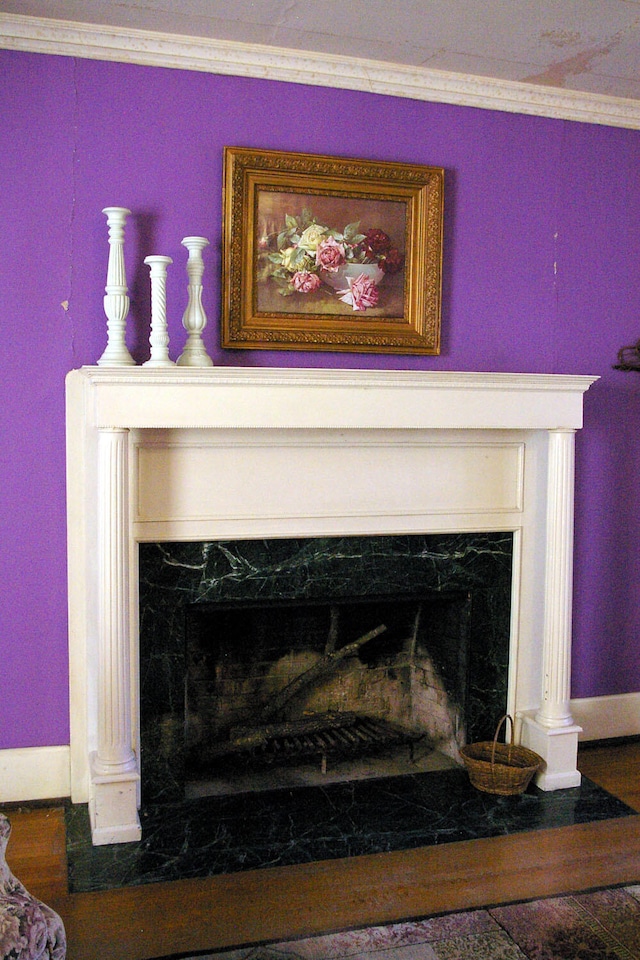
[208, 456]
[272, 663]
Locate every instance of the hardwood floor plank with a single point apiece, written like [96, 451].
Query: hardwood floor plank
[616, 767]
[36, 852]
[307, 899]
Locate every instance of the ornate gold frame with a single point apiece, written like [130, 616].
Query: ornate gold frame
[409, 195]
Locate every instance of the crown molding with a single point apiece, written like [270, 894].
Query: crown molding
[149, 48]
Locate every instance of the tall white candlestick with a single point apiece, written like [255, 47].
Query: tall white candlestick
[116, 300]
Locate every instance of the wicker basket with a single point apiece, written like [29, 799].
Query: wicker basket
[502, 768]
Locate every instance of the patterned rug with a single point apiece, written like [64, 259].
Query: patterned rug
[602, 925]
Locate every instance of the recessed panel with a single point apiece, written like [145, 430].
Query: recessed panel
[187, 482]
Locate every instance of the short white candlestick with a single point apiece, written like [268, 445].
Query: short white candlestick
[116, 300]
[194, 319]
[159, 339]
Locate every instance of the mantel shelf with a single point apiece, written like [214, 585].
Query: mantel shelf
[278, 398]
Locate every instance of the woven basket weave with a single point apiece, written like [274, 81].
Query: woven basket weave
[501, 768]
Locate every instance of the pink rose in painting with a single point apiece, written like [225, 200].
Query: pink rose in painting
[305, 282]
[330, 254]
[362, 293]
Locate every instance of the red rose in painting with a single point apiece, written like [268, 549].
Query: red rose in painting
[330, 254]
[393, 261]
[305, 282]
[376, 243]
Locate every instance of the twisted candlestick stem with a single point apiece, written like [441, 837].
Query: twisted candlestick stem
[116, 300]
[194, 319]
[159, 338]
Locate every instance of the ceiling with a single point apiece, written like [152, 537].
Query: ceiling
[592, 46]
[588, 46]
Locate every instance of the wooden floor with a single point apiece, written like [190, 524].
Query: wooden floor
[137, 923]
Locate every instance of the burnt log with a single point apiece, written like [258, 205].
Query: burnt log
[323, 667]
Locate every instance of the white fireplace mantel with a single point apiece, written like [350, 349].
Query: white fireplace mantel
[205, 454]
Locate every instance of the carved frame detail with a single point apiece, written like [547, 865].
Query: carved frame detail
[265, 191]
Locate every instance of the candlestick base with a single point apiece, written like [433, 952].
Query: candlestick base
[194, 354]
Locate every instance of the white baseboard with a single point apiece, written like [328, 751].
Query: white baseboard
[602, 718]
[34, 773]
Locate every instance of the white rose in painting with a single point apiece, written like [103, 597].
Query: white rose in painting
[312, 236]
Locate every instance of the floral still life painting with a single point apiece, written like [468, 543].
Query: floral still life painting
[324, 253]
[337, 268]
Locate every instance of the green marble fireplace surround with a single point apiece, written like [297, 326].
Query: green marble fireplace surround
[460, 582]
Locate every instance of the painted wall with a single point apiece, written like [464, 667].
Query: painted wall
[541, 274]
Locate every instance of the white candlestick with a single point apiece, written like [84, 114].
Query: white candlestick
[194, 319]
[159, 339]
[116, 300]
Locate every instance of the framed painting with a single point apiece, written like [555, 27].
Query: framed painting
[326, 253]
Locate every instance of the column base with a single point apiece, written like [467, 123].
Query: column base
[113, 808]
[558, 747]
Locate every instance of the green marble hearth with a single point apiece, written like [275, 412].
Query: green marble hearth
[278, 828]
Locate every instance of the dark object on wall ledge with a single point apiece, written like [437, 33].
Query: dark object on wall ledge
[628, 358]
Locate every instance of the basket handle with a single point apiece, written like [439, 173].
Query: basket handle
[506, 717]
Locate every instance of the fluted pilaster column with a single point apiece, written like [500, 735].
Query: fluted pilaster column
[551, 731]
[555, 707]
[113, 806]
[114, 753]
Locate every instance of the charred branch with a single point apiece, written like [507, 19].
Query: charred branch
[324, 667]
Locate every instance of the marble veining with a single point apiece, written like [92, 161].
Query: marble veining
[174, 576]
[224, 835]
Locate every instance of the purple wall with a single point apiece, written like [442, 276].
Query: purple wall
[541, 274]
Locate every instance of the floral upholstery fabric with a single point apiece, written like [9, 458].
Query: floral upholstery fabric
[29, 930]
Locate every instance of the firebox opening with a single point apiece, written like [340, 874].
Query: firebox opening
[289, 693]
[264, 663]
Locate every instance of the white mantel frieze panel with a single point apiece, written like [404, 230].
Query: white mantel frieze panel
[326, 476]
[228, 452]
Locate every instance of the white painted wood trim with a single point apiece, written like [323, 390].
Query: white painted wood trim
[264, 421]
[274, 398]
[604, 717]
[34, 773]
[150, 48]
